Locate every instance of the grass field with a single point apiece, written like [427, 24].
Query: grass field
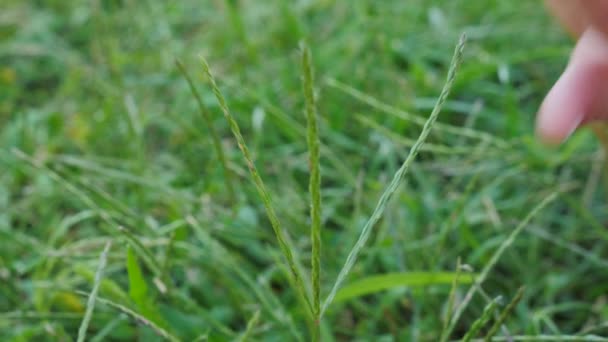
[129, 213]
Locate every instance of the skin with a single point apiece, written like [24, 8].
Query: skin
[580, 95]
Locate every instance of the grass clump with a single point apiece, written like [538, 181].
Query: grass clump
[105, 138]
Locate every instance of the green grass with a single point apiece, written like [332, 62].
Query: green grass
[314, 184]
[104, 138]
[82, 331]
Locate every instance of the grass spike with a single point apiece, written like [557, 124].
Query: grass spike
[103, 259]
[479, 323]
[398, 177]
[504, 314]
[261, 188]
[452, 295]
[312, 138]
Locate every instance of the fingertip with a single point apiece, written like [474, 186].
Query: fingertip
[562, 110]
[553, 130]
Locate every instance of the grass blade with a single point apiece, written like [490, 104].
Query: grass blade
[109, 328]
[217, 144]
[452, 295]
[103, 258]
[486, 270]
[382, 282]
[138, 317]
[312, 138]
[138, 289]
[250, 325]
[481, 321]
[504, 314]
[418, 120]
[392, 187]
[261, 189]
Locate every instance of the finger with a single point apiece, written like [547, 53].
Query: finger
[580, 94]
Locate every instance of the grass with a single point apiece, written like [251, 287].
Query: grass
[314, 184]
[104, 138]
[398, 177]
[281, 236]
[217, 144]
[82, 331]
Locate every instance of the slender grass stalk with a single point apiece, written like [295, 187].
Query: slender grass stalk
[217, 144]
[407, 142]
[108, 329]
[504, 315]
[250, 325]
[261, 189]
[452, 296]
[314, 187]
[138, 317]
[481, 321]
[490, 265]
[418, 120]
[570, 247]
[398, 177]
[103, 258]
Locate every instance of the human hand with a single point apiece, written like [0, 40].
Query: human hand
[580, 95]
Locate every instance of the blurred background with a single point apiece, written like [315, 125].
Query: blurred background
[95, 118]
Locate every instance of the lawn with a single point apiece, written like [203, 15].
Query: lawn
[145, 197]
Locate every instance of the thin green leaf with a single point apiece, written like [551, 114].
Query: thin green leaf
[383, 282]
[452, 295]
[481, 321]
[138, 317]
[138, 289]
[377, 104]
[504, 314]
[103, 258]
[250, 325]
[108, 287]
